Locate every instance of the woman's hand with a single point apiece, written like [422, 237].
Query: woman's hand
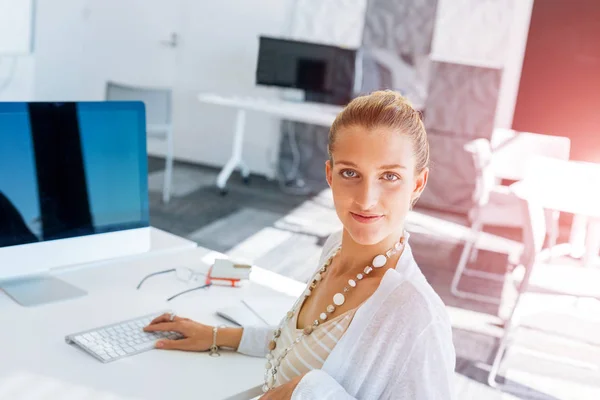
[197, 337]
[283, 392]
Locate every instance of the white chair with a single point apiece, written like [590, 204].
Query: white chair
[505, 157]
[534, 274]
[158, 119]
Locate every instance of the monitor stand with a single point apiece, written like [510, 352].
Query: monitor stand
[34, 291]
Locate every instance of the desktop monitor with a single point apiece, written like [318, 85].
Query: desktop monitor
[325, 73]
[73, 189]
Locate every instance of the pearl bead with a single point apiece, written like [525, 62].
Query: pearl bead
[290, 314]
[270, 381]
[330, 308]
[308, 330]
[390, 253]
[323, 316]
[368, 270]
[268, 365]
[398, 245]
[269, 356]
[338, 299]
[316, 322]
[307, 292]
[379, 261]
[359, 276]
[318, 278]
[352, 283]
[265, 388]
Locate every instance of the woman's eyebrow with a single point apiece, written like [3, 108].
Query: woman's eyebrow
[389, 166]
[348, 163]
[392, 166]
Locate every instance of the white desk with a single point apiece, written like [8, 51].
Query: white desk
[310, 113]
[572, 187]
[35, 360]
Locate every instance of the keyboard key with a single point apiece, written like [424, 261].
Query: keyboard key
[142, 346]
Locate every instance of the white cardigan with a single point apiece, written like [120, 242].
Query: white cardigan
[398, 346]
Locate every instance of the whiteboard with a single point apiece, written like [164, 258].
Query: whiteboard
[16, 27]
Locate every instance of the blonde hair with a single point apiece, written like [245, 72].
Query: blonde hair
[384, 108]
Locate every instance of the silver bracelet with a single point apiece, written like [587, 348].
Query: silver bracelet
[214, 349]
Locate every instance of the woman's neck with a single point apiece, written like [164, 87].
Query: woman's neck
[354, 257]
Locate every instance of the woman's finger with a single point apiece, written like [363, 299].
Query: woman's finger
[182, 344]
[164, 327]
[165, 318]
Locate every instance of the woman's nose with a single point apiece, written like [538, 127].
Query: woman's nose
[367, 196]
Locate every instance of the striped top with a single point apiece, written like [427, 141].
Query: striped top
[310, 353]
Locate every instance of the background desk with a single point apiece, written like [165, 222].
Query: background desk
[572, 187]
[34, 357]
[310, 113]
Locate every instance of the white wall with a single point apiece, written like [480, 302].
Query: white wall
[16, 61]
[60, 51]
[80, 44]
[221, 38]
[17, 77]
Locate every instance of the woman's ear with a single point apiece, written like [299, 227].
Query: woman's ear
[420, 183]
[328, 172]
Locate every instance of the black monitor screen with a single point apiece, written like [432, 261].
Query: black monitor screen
[315, 68]
[71, 169]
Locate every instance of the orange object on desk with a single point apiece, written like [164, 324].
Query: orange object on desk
[228, 272]
[210, 279]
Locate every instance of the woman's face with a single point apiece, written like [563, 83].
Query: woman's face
[373, 181]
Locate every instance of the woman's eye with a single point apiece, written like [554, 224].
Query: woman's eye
[389, 176]
[348, 173]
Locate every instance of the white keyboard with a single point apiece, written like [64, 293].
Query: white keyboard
[126, 338]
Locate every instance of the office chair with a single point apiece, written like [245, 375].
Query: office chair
[158, 119]
[495, 204]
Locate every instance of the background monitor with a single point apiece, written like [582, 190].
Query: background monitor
[73, 185]
[325, 73]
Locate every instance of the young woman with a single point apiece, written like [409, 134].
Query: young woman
[368, 326]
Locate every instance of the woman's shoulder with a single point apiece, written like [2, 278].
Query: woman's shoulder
[414, 302]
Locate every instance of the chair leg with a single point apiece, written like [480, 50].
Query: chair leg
[553, 228]
[509, 325]
[168, 169]
[462, 270]
[462, 263]
[474, 253]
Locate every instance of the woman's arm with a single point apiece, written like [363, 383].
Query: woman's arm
[229, 337]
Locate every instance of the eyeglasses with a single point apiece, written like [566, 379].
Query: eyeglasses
[181, 273]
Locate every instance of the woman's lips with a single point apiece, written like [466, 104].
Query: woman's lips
[366, 219]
